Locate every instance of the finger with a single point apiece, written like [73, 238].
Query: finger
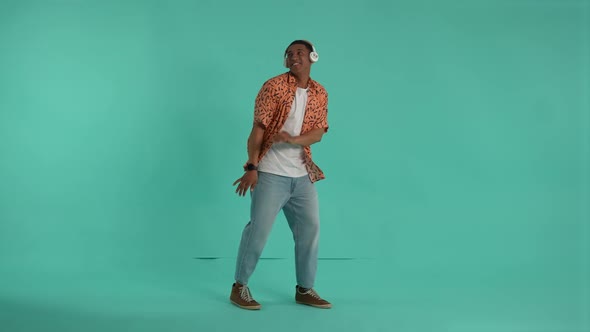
[243, 188]
[240, 188]
[238, 180]
[251, 188]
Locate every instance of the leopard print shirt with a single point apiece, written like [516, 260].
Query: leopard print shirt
[272, 107]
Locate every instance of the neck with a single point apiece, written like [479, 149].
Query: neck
[302, 79]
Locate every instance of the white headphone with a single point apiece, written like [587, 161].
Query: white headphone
[313, 55]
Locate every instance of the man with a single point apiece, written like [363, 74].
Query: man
[290, 114]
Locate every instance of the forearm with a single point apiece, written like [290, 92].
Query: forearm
[309, 138]
[255, 143]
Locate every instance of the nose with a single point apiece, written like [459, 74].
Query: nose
[291, 56]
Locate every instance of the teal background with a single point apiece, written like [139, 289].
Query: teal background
[457, 162]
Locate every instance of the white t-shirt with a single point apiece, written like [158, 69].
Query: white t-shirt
[283, 158]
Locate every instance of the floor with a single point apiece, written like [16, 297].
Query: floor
[367, 295]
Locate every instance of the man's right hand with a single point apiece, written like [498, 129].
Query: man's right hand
[247, 181]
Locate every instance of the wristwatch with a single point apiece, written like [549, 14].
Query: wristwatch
[250, 167]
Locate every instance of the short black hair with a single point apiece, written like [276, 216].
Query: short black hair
[300, 42]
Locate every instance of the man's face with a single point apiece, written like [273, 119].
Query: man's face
[298, 58]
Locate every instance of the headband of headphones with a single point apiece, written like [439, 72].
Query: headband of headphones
[313, 55]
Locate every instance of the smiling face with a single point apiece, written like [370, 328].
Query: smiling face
[297, 57]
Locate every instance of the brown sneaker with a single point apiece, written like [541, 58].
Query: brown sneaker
[240, 296]
[310, 297]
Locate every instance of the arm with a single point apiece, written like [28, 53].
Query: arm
[255, 143]
[250, 178]
[307, 139]
[264, 105]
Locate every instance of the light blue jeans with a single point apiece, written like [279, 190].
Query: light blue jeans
[298, 199]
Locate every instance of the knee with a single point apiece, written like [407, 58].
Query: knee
[312, 227]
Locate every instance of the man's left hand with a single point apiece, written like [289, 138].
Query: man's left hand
[283, 136]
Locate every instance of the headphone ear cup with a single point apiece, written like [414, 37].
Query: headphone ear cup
[314, 56]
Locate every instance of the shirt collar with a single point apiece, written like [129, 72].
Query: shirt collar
[291, 79]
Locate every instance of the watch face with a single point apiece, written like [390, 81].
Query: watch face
[251, 167]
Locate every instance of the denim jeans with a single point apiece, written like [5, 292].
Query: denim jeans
[298, 199]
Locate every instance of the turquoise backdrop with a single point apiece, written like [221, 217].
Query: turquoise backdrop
[458, 149]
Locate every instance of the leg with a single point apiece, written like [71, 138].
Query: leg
[268, 198]
[302, 213]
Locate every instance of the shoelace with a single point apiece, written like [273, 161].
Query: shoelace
[245, 294]
[312, 292]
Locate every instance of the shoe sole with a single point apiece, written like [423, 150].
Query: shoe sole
[321, 306]
[254, 307]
